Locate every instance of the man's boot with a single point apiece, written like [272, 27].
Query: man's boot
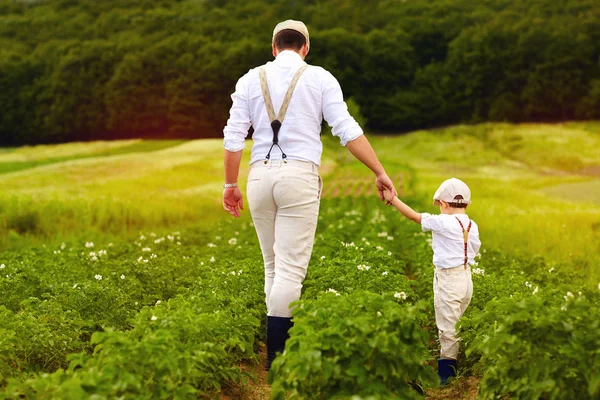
[277, 334]
[446, 369]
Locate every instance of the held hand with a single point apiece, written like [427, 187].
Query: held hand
[384, 182]
[388, 195]
[233, 201]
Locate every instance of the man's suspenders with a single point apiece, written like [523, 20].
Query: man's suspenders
[276, 121]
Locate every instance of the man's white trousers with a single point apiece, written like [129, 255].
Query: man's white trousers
[284, 200]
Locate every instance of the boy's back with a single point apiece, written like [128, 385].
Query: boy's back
[448, 238]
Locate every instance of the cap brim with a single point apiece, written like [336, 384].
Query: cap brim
[438, 203]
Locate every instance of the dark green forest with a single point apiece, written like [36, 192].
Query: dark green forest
[84, 69]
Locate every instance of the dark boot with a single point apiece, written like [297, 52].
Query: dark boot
[446, 369]
[277, 334]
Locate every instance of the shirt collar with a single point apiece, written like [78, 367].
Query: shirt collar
[288, 57]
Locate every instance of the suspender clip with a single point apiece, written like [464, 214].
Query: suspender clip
[276, 126]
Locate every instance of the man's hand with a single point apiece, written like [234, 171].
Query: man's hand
[384, 182]
[233, 201]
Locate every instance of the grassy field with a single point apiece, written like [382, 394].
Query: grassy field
[137, 186]
[121, 234]
[536, 188]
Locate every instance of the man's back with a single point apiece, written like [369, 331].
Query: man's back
[317, 95]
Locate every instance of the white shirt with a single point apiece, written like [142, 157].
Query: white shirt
[448, 241]
[317, 95]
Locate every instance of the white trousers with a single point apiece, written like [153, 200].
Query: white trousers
[452, 292]
[284, 200]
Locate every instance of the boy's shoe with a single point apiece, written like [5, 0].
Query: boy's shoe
[446, 369]
[277, 334]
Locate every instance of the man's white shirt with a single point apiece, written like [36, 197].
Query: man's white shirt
[317, 95]
[448, 241]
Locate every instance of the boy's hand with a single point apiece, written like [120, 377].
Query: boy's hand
[388, 195]
[383, 182]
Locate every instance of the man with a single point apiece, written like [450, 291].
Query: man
[284, 186]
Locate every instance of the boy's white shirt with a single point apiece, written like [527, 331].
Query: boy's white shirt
[448, 240]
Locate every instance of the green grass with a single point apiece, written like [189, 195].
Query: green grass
[17, 159]
[535, 187]
[587, 191]
[116, 195]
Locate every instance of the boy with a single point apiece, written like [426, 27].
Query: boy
[455, 244]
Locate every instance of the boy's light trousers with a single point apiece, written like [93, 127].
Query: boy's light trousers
[452, 291]
[284, 200]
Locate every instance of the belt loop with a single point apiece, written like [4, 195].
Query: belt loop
[269, 164]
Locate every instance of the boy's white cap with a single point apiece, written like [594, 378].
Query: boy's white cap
[452, 191]
[294, 25]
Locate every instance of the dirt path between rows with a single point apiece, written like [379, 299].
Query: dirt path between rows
[253, 390]
[463, 388]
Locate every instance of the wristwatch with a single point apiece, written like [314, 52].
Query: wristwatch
[230, 185]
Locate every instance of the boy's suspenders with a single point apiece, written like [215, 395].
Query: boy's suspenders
[466, 238]
[276, 121]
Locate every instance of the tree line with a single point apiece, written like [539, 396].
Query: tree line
[83, 70]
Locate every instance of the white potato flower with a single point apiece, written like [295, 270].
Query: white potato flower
[400, 295]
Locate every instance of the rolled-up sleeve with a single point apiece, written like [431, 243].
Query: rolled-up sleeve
[239, 122]
[335, 111]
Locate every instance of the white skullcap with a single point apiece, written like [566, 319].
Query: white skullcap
[297, 26]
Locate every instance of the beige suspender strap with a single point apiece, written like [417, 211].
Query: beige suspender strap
[288, 96]
[266, 95]
[290, 91]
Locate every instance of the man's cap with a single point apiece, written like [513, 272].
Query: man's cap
[294, 25]
[452, 191]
